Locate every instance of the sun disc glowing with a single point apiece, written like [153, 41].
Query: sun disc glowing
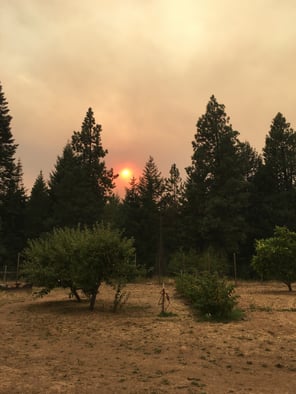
[126, 173]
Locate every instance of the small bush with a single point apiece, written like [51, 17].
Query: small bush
[209, 294]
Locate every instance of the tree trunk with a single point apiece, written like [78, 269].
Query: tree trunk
[93, 297]
[76, 295]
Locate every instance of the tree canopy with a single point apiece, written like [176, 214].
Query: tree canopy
[230, 197]
[216, 187]
[275, 256]
[79, 258]
[12, 191]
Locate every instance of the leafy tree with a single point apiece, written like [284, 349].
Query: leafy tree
[216, 187]
[79, 258]
[275, 256]
[38, 208]
[12, 191]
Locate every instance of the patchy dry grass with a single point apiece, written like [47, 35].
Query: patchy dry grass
[54, 345]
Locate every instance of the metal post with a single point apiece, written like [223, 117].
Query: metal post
[235, 268]
[17, 268]
[5, 274]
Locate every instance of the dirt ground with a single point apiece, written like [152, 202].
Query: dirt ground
[55, 345]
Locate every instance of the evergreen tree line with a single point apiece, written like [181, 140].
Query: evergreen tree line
[231, 195]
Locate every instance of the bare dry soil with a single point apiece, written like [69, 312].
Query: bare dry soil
[55, 345]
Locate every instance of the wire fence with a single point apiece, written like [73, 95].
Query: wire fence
[10, 272]
[8, 276]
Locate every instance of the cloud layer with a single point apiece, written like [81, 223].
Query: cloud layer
[147, 68]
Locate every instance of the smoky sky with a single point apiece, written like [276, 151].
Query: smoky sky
[148, 69]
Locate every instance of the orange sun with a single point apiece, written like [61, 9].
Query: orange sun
[126, 173]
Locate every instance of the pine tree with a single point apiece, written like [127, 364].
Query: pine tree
[253, 211]
[131, 213]
[112, 214]
[142, 213]
[12, 191]
[87, 147]
[173, 187]
[13, 216]
[277, 177]
[172, 202]
[280, 154]
[38, 209]
[7, 147]
[216, 188]
[72, 198]
[150, 191]
[81, 185]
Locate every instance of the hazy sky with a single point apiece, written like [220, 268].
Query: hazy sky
[148, 69]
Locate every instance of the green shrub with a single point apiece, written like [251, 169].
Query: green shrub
[209, 294]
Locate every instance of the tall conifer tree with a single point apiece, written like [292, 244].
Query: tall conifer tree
[280, 155]
[81, 184]
[87, 147]
[7, 147]
[38, 212]
[277, 177]
[150, 189]
[172, 202]
[72, 198]
[142, 214]
[216, 189]
[12, 192]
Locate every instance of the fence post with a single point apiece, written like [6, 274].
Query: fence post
[17, 267]
[5, 274]
[235, 269]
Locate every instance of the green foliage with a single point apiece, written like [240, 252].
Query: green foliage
[88, 149]
[173, 189]
[275, 256]
[280, 154]
[7, 146]
[72, 199]
[217, 185]
[142, 215]
[81, 185]
[171, 208]
[12, 192]
[38, 209]
[277, 177]
[209, 294]
[80, 258]
[193, 262]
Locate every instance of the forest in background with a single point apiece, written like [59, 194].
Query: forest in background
[231, 195]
